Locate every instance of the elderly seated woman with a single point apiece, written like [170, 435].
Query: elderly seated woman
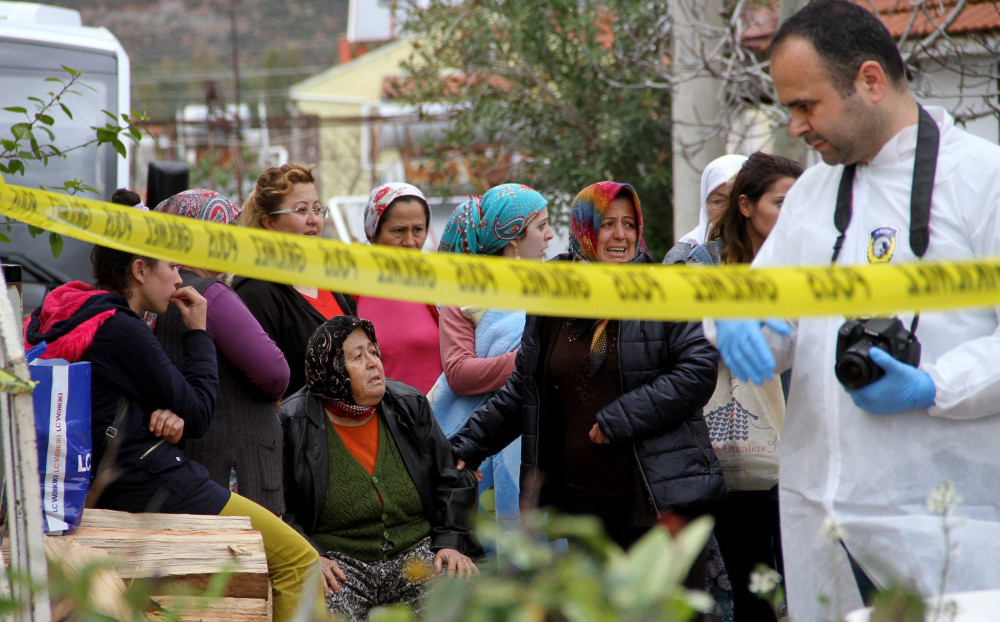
[370, 479]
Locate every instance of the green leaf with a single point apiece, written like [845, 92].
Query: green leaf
[51, 136]
[119, 147]
[56, 242]
[16, 166]
[649, 570]
[447, 600]
[392, 613]
[112, 115]
[34, 231]
[898, 605]
[46, 119]
[17, 109]
[21, 131]
[8, 145]
[71, 71]
[66, 110]
[691, 541]
[4, 238]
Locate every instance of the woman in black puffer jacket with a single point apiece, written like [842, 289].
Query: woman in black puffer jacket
[610, 410]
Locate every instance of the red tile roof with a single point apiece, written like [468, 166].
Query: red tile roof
[396, 86]
[976, 16]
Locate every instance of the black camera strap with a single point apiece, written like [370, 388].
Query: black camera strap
[921, 189]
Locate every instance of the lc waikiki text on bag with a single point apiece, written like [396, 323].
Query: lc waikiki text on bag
[62, 436]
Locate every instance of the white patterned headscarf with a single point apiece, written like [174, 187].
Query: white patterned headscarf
[381, 198]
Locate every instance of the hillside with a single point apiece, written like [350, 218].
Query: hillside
[177, 45]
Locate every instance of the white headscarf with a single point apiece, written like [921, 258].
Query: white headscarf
[719, 171]
[381, 198]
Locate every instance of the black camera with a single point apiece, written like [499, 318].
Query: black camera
[855, 368]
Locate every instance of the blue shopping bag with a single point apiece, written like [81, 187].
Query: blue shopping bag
[62, 436]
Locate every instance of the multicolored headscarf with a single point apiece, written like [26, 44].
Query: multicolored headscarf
[588, 211]
[202, 204]
[380, 200]
[483, 226]
[326, 367]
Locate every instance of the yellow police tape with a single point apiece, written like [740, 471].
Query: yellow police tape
[9, 383]
[553, 288]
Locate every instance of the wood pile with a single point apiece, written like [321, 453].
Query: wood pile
[172, 553]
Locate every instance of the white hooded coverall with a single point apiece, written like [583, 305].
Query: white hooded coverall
[871, 473]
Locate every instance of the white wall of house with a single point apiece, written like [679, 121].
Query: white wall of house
[963, 96]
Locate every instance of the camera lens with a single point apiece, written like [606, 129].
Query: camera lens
[853, 371]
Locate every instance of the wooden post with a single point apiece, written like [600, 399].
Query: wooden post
[20, 464]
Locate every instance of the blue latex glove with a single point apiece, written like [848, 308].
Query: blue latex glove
[744, 350]
[903, 387]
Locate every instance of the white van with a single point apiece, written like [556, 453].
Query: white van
[36, 41]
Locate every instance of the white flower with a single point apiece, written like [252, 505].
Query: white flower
[943, 499]
[831, 531]
[949, 609]
[764, 580]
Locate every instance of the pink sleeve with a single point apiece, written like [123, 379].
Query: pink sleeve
[240, 338]
[466, 374]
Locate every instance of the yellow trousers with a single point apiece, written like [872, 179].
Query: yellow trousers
[292, 563]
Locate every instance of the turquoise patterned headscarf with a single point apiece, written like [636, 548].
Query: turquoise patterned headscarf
[483, 226]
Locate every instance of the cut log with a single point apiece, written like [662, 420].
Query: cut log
[107, 591]
[215, 610]
[181, 552]
[100, 519]
[189, 557]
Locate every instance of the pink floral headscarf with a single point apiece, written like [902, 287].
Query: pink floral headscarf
[206, 205]
[381, 198]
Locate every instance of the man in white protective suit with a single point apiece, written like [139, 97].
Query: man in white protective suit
[859, 464]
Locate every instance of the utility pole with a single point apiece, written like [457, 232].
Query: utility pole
[237, 144]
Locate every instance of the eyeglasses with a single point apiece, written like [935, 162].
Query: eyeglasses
[303, 212]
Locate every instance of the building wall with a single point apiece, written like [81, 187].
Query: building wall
[341, 96]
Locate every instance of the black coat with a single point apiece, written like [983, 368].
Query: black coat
[667, 372]
[129, 367]
[288, 319]
[245, 431]
[448, 495]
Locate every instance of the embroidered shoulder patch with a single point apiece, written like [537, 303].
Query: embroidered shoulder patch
[882, 244]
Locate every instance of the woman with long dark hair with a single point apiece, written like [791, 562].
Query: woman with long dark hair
[747, 519]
